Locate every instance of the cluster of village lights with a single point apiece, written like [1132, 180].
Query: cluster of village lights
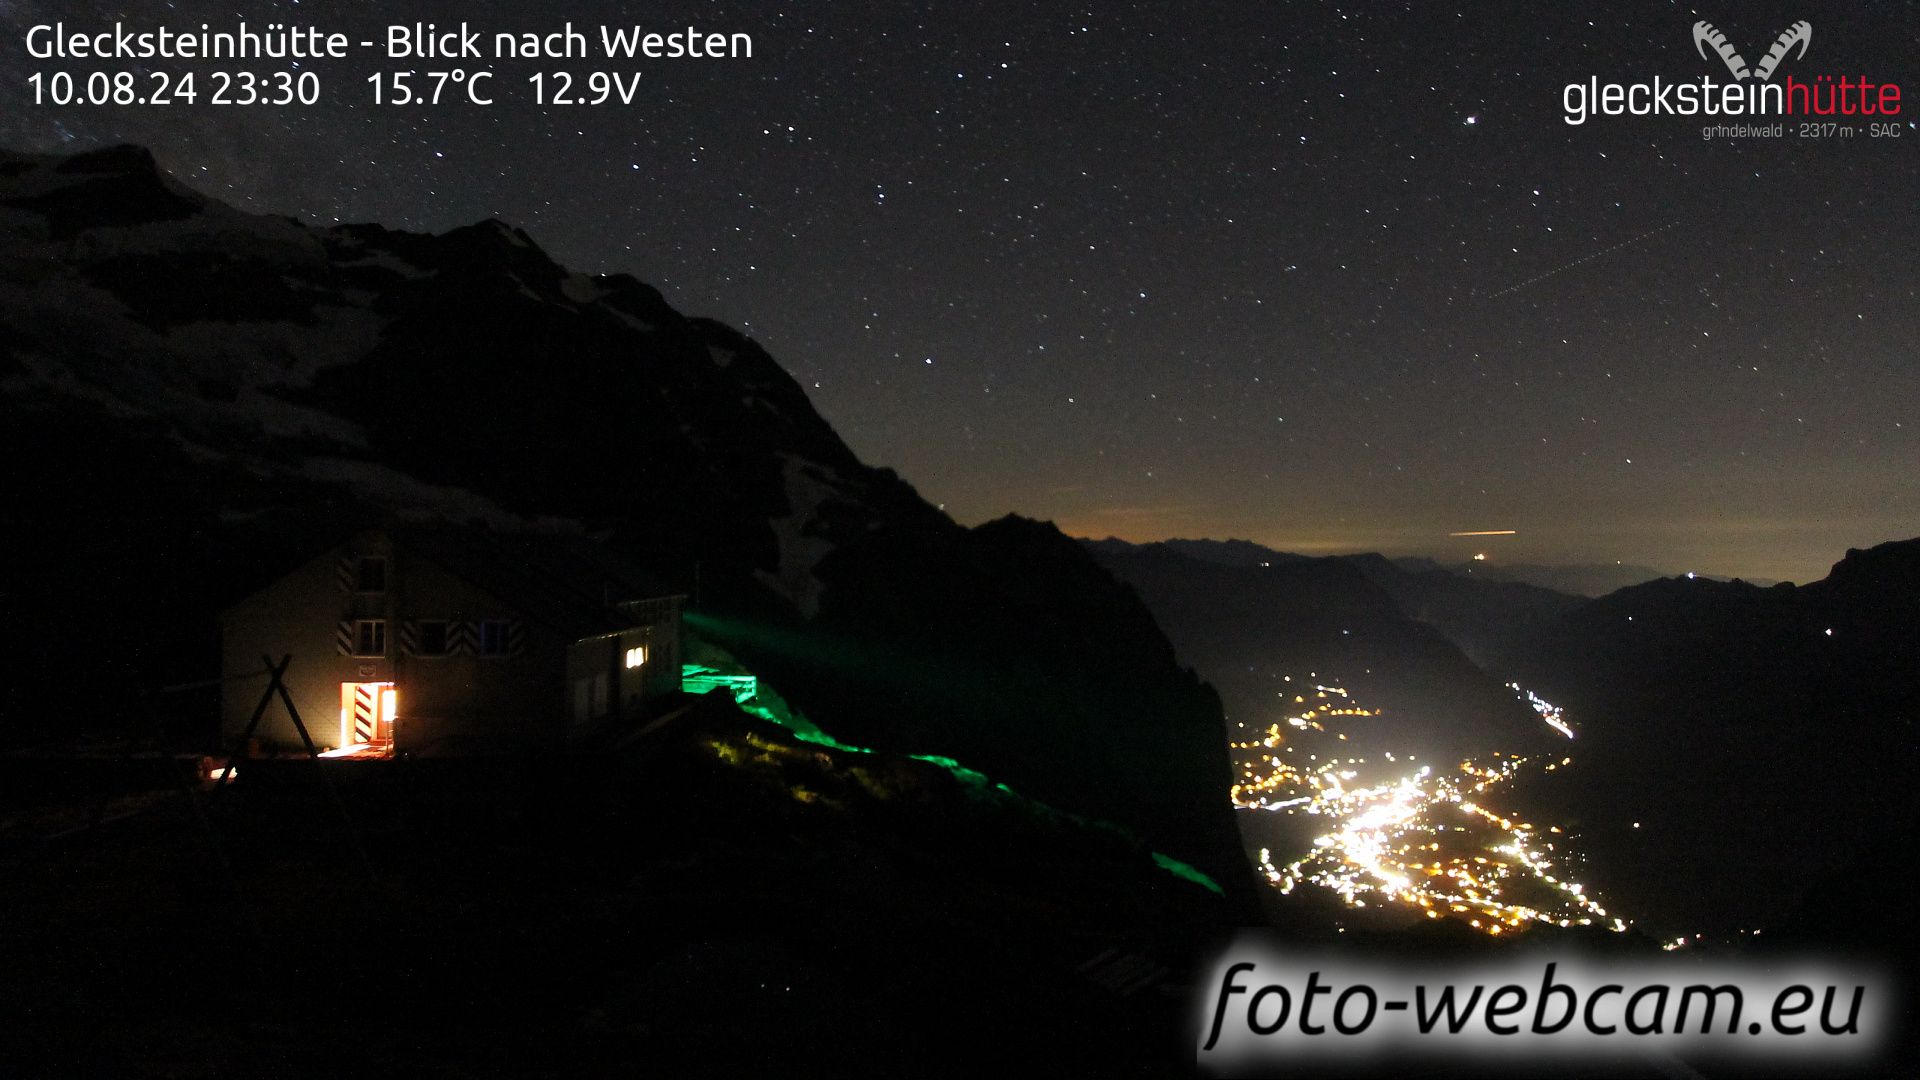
[1425, 839]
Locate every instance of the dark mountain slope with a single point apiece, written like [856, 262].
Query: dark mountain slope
[1246, 627]
[1758, 735]
[705, 898]
[1833, 650]
[204, 394]
[1486, 617]
[1579, 579]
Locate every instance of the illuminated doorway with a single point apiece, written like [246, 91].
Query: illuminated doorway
[367, 710]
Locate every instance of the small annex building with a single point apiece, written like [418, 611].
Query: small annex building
[442, 640]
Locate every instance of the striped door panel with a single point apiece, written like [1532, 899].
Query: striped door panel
[366, 705]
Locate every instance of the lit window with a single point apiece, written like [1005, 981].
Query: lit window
[636, 656]
[371, 575]
[370, 637]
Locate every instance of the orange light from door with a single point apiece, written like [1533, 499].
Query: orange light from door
[386, 703]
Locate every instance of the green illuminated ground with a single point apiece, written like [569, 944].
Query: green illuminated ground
[760, 701]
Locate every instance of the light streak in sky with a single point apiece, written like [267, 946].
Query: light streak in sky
[1581, 261]
[1390, 834]
[1553, 714]
[1488, 532]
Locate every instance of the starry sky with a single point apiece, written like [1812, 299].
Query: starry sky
[1332, 277]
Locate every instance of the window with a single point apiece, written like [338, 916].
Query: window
[430, 637]
[371, 576]
[370, 637]
[636, 656]
[492, 637]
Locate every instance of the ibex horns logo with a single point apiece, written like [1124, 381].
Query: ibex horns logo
[1799, 34]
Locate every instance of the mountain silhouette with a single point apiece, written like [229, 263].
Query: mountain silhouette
[1761, 736]
[208, 395]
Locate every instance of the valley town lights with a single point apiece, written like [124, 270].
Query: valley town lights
[1422, 840]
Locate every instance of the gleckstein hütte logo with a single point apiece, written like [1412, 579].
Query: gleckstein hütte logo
[1799, 34]
[1750, 93]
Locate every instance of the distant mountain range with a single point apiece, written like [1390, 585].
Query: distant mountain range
[1480, 616]
[1578, 579]
[1249, 619]
[1738, 746]
[1761, 736]
[1574, 579]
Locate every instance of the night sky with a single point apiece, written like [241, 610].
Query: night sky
[1329, 277]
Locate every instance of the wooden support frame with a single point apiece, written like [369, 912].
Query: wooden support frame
[277, 687]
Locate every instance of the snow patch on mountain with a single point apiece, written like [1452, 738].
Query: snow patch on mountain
[583, 289]
[397, 489]
[597, 293]
[279, 353]
[387, 260]
[803, 534]
[216, 229]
